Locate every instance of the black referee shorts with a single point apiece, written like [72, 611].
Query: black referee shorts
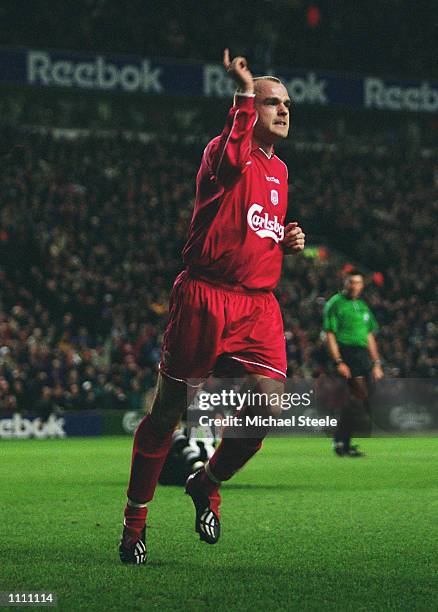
[357, 358]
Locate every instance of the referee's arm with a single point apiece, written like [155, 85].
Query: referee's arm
[335, 354]
[377, 371]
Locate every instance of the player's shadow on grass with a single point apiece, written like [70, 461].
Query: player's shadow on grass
[346, 484]
[268, 487]
[340, 485]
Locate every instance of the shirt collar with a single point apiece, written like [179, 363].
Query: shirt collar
[256, 147]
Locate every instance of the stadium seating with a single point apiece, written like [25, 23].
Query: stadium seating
[382, 37]
[91, 231]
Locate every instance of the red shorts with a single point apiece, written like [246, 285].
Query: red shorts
[208, 322]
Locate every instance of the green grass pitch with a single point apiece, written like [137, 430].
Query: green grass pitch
[302, 530]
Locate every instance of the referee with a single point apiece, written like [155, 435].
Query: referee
[349, 325]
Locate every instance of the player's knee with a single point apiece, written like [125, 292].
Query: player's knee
[165, 420]
[273, 407]
[267, 395]
[276, 411]
[170, 403]
[165, 416]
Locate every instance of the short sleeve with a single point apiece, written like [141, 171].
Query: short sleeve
[330, 321]
[372, 323]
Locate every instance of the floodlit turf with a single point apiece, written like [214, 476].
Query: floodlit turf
[302, 530]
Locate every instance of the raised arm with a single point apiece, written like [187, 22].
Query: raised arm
[227, 157]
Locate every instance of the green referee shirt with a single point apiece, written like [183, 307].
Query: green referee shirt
[350, 320]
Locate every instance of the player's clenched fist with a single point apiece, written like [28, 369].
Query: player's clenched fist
[294, 238]
[239, 72]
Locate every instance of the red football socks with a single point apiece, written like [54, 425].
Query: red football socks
[148, 456]
[151, 446]
[135, 519]
[231, 455]
[233, 451]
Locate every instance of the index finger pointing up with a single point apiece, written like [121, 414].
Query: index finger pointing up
[226, 59]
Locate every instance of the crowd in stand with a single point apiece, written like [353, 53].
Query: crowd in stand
[91, 231]
[393, 37]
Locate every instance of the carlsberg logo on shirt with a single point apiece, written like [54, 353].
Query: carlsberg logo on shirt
[263, 225]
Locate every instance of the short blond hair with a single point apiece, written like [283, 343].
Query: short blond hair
[267, 78]
[260, 79]
[256, 80]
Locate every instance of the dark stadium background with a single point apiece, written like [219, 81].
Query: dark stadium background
[97, 189]
[96, 192]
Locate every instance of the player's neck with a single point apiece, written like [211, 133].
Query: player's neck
[268, 149]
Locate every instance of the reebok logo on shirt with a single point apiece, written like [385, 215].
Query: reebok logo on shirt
[262, 225]
[272, 179]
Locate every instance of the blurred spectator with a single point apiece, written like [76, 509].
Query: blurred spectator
[92, 232]
[393, 37]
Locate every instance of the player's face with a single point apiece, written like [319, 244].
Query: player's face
[272, 103]
[354, 286]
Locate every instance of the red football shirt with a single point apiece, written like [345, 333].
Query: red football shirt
[240, 208]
